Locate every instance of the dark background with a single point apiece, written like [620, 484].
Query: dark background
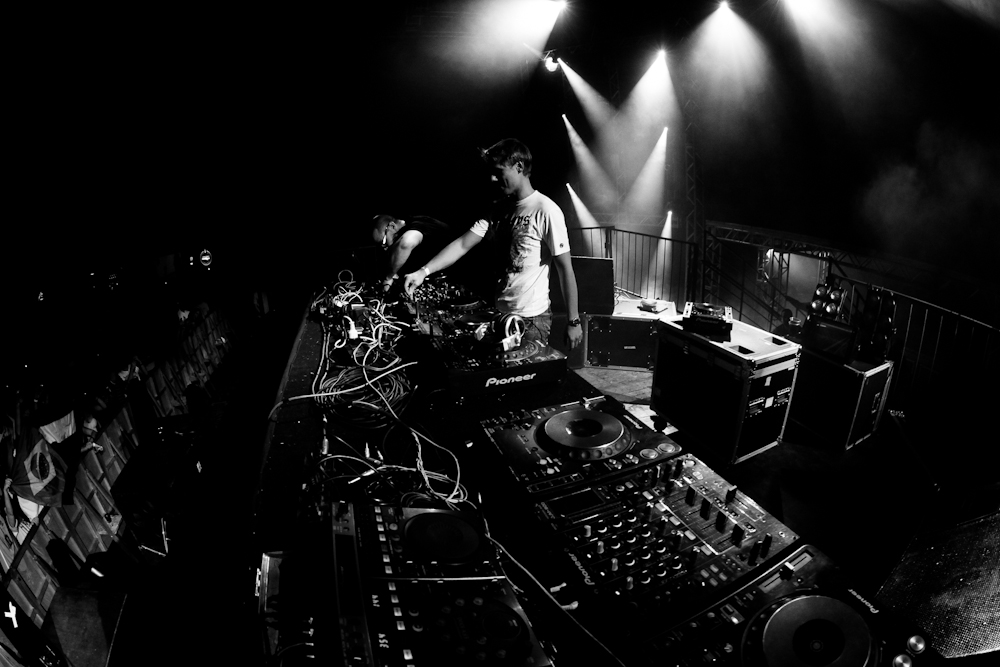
[271, 136]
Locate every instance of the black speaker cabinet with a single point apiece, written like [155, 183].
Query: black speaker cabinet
[833, 339]
[841, 403]
[595, 286]
[732, 395]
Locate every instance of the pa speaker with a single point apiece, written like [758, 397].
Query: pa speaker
[595, 286]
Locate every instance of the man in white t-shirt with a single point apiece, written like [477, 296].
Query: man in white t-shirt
[528, 231]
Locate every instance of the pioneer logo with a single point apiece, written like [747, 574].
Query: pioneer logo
[493, 382]
[586, 575]
[868, 604]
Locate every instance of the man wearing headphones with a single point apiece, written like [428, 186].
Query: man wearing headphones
[528, 233]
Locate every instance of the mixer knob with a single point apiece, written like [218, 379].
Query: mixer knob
[731, 495]
[674, 542]
[587, 530]
[916, 644]
[629, 583]
[766, 546]
[664, 528]
[738, 534]
[600, 546]
[721, 521]
[614, 564]
[690, 496]
[647, 512]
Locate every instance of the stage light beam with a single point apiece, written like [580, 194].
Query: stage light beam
[597, 109]
[846, 50]
[650, 106]
[597, 187]
[738, 97]
[646, 197]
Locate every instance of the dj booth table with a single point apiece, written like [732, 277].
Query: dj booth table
[580, 536]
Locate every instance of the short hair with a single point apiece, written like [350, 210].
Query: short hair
[507, 153]
[379, 223]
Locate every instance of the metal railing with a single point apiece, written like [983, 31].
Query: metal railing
[645, 266]
[732, 279]
[929, 344]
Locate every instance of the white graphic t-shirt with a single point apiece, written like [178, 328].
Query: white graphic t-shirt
[536, 230]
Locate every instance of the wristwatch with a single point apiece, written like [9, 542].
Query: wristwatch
[574, 323]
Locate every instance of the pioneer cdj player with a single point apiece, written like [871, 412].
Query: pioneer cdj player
[801, 612]
[557, 448]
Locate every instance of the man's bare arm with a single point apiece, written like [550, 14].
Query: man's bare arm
[450, 254]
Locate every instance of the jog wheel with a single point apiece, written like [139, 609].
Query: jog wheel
[809, 631]
[584, 435]
[440, 536]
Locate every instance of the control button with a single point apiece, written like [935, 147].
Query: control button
[587, 530]
[649, 453]
[668, 448]
[614, 564]
[902, 660]
[600, 547]
[916, 644]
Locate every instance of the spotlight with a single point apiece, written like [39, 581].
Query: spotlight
[823, 332]
[550, 64]
[827, 299]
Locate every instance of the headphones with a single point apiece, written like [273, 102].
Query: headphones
[507, 325]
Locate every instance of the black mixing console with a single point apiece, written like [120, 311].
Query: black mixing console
[651, 545]
[800, 612]
[637, 532]
[390, 586]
